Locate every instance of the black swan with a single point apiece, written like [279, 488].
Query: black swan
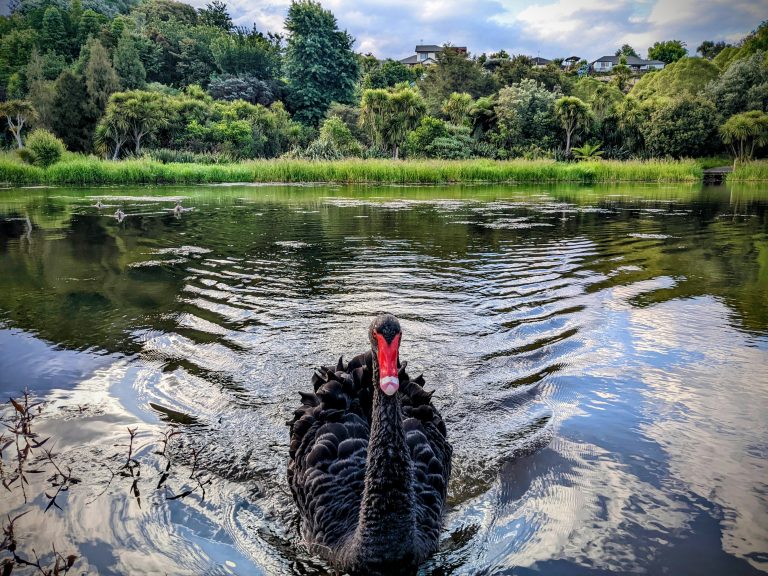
[370, 461]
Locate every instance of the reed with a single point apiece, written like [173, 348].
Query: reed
[756, 171]
[88, 170]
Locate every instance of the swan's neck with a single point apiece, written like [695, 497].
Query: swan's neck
[387, 524]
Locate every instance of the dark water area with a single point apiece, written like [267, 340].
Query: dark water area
[600, 356]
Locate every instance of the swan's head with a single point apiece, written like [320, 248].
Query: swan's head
[385, 342]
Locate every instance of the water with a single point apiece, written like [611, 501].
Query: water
[600, 356]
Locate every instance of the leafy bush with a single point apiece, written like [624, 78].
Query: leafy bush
[681, 128]
[743, 86]
[335, 131]
[426, 132]
[450, 148]
[43, 149]
[587, 152]
[686, 77]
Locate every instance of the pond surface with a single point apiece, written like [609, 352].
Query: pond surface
[600, 356]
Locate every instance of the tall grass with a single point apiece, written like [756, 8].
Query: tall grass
[89, 171]
[750, 172]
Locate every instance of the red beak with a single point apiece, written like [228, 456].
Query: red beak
[387, 355]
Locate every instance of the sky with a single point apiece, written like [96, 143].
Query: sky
[547, 28]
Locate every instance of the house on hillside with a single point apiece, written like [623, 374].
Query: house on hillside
[540, 62]
[606, 64]
[426, 54]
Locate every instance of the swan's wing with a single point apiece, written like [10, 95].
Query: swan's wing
[329, 445]
[425, 434]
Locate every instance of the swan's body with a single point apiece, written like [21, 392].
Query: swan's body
[370, 462]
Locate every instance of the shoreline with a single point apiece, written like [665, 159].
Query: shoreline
[94, 171]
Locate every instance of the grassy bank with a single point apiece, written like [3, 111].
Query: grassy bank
[90, 171]
[751, 172]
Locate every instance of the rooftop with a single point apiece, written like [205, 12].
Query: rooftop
[631, 60]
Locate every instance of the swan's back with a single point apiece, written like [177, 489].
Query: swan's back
[328, 452]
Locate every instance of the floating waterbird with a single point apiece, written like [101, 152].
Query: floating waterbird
[370, 462]
[120, 215]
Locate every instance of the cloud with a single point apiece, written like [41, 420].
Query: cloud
[550, 28]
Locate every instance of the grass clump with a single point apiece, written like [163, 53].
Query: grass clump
[756, 171]
[89, 170]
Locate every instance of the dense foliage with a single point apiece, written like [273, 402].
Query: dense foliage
[161, 79]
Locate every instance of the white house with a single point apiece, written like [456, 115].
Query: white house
[426, 54]
[606, 64]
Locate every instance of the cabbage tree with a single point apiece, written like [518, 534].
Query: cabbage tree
[573, 114]
[745, 132]
[17, 113]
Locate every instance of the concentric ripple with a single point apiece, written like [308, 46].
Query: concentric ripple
[599, 358]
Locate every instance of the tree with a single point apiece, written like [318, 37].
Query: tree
[482, 116]
[157, 11]
[388, 74]
[621, 74]
[247, 53]
[320, 65]
[454, 72]
[627, 50]
[40, 91]
[682, 128]
[73, 117]
[709, 49]
[128, 64]
[668, 51]
[216, 15]
[457, 106]
[100, 78]
[111, 133]
[53, 36]
[388, 115]
[632, 116]
[738, 88]
[17, 113]
[244, 87]
[745, 132]
[350, 115]
[90, 25]
[573, 114]
[526, 116]
[143, 114]
[686, 77]
[406, 109]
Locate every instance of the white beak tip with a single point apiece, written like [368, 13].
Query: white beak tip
[389, 385]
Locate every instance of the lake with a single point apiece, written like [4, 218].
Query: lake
[600, 356]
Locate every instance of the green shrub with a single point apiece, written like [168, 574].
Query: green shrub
[418, 140]
[43, 149]
[334, 131]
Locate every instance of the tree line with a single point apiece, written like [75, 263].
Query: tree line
[160, 78]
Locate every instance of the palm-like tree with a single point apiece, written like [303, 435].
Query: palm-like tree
[406, 107]
[373, 114]
[17, 113]
[573, 114]
[745, 132]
